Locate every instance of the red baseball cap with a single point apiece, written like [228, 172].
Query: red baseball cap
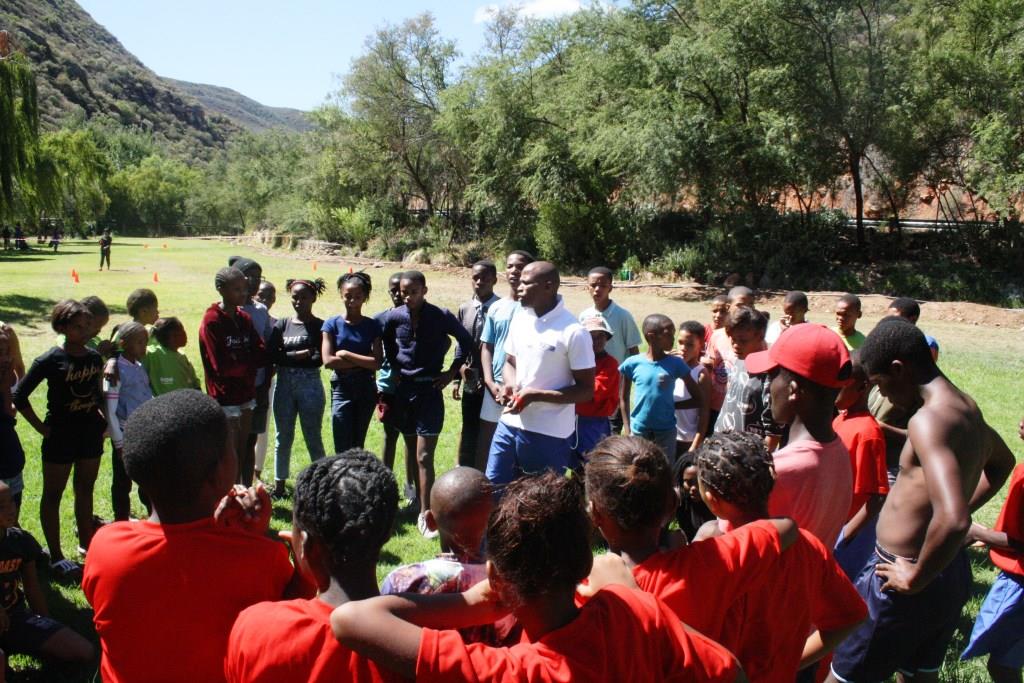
[808, 349]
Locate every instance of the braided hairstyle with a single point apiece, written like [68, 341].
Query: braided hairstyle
[348, 502]
[226, 275]
[318, 286]
[630, 480]
[360, 278]
[540, 517]
[738, 468]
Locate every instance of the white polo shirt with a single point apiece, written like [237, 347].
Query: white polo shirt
[547, 349]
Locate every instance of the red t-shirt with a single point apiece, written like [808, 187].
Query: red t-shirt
[1011, 522]
[865, 441]
[606, 389]
[804, 590]
[699, 581]
[292, 641]
[231, 351]
[814, 486]
[165, 595]
[620, 635]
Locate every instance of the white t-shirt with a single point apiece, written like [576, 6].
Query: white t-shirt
[547, 350]
[687, 419]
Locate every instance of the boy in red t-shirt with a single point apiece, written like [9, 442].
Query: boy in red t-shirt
[999, 629]
[631, 498]
[805, 591]
[538, 544]
[592, 417]
[165, 591]
[865, 441]
[344, 510]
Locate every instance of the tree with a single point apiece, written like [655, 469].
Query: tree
[19, 121]
[71, 172]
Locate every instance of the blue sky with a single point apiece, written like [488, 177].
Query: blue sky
[288, 53]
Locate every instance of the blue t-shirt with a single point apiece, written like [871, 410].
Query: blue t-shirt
[654, 408]
[496, 325]
[356, 338]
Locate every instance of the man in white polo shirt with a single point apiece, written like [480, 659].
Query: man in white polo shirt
[549, 368]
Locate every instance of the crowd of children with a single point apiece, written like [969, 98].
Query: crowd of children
[780, 501]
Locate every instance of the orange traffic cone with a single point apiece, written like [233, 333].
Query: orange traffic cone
[314, 266]
[156, 277]
[74, 276]
[350, 269]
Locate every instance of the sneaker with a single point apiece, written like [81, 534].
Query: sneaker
[421, 524]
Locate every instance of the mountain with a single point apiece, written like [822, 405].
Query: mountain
[83, 71]
[245, 112]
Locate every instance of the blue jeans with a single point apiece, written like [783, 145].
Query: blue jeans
[515, 452]
[299, 394]
[665, 439]
[353, 400]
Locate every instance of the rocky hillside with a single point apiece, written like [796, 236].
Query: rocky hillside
[245, 112]
[84, 71]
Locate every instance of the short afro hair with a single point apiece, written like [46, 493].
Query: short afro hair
[348, 502]
[694, 327]
[174, 442]
[487, 265]
[744, 317]
[895, 338]
[850, 300]
[415, 276]
[602, 271]
[907, 307]
[96, 306]
[139, 299]
[797, 298]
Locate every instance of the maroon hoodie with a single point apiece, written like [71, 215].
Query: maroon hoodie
[232, 351]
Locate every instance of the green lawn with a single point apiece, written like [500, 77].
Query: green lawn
[987, 362]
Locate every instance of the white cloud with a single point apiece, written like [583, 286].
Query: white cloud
[537, 9]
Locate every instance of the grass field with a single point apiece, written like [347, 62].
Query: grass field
[986, 362]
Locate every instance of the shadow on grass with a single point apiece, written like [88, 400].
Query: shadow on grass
[20, 309]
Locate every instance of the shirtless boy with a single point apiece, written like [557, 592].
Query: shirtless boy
[952, 463]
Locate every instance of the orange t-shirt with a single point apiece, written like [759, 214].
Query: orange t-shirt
[165, 595]
[620, 635]
[292, 641]
[804, 590]
[699, 581]
[1011, 522]
[864, 439]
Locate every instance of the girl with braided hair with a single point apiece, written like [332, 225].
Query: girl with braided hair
[804, 591]
[232, 351]
[620, 634]
[351, 347]
[295, 349]
[345, 508]
[631, 497]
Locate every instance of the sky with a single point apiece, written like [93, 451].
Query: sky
[286, 53]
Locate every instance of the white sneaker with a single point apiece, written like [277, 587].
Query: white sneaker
[421, 524]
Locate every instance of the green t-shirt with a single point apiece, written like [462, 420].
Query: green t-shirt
[168, 370]
[854, 341]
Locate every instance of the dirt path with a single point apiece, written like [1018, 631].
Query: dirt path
[692, 292]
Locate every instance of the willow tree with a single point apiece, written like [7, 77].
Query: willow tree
[19, 120]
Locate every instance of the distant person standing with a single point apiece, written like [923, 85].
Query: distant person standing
[625, 339]
[105, 241]
[549, 367]
[7, 238]
[469, 386]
